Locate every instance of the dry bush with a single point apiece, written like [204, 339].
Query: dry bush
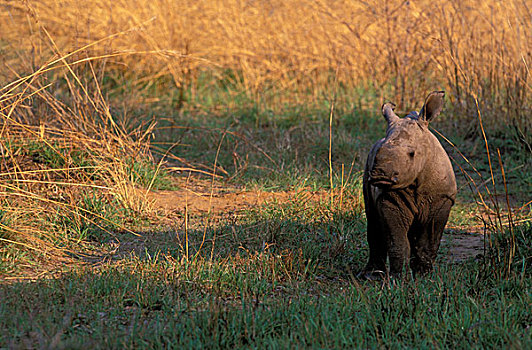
[67, 168]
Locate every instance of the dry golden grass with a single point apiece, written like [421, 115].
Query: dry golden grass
[470, 48]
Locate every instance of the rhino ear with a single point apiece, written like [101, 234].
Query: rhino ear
[432, 107]
[388, 113]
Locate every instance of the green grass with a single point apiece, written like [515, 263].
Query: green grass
[162, 303]
[144, 173]
[298, 290]
[94, 219]
[57, 156]
[279, 154]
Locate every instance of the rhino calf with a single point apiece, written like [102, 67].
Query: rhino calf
[409, 188]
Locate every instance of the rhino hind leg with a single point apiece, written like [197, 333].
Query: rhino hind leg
[426, 242]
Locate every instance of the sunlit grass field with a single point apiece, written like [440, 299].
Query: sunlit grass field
[188, 173]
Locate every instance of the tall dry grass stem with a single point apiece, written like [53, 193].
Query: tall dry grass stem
[331, 115]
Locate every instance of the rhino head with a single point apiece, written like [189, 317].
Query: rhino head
[406, 149]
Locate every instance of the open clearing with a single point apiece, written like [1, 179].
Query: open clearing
[199, 198]
[189, 174]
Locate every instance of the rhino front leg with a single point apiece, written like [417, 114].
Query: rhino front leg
[377, 244]
[396, 222]
[425, 246]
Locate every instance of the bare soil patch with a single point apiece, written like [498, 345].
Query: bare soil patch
[201, 197]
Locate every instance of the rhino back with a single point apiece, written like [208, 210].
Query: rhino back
[371, 156]
[371, 193]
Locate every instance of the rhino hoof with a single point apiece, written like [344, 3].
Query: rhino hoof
[372, 275]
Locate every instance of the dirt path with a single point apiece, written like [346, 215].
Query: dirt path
[198, 202]
[198, 199]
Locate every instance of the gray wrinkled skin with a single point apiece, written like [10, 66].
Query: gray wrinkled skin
[409, 189]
